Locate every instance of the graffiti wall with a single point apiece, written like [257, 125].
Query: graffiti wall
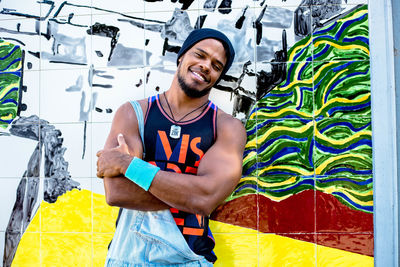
[300, 83]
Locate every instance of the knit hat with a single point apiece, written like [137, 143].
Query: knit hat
[205, 33]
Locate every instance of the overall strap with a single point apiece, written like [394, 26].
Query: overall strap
[139, 115]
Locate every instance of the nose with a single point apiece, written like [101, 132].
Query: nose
[205, 66]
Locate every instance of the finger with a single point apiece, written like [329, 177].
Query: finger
[121, 140]
[98, 154]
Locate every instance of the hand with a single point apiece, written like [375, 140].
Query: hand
[113, 162]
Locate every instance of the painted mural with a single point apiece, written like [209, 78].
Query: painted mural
[300, 84]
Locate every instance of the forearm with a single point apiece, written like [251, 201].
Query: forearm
[196, 194]
[123, 193]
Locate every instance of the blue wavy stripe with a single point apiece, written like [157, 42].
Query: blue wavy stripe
[347, 124]
[278, 107]
[250, 170]
[17, 73]
[282, 152]
[344, 108]
[342, 66]
[338, 170]
[301, 52]
[302, 70]
[9, 101]
[364, 182]
[302, 182]
[357, 38]
[311, 152]
[322, 31]
[279, 95]
[346, 25]
[252, 131]
[326, 48]
[349, 148]
[342, 79]
[288, 81]
[6, 121]
[252, 186]
[271, 141]
[9, 92]
[280, 173]
[324, 37]
[10, 53]
[11, 63]
[367, 208]
[246, 152]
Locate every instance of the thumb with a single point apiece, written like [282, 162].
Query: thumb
[121, 140]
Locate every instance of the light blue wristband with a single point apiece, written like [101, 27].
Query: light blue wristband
[141, 173]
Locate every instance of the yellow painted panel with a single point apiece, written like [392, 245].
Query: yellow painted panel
[283, 251]
[236, 250]
[104, 216]
[34, 225]
[100, 248]
[235, 246]
[335, 257]
[219, 227]
[66, 249]
[28, 252]
[72, 212]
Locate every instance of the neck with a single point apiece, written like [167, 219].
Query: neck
[180, 101]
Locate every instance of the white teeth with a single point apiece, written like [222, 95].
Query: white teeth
[198, 75]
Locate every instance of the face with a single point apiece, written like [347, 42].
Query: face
[200, 67]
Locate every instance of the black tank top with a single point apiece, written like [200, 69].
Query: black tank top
[182, 155]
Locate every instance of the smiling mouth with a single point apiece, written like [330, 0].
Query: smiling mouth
[199, 76]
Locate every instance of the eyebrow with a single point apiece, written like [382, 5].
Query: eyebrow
[219, 62]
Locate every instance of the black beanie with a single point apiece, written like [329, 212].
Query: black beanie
[201, 34]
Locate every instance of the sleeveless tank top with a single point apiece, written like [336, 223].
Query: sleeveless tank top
[182, 155]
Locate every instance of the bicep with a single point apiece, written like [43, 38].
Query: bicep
[125, 122]
[222, 163]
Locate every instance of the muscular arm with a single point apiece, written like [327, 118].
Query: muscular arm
[120, 191]
[219, 172]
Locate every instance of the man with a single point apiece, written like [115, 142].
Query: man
[193, 160]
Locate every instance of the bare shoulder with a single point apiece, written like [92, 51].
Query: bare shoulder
[228, 126]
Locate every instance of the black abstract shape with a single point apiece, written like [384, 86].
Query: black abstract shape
[210, 5]
[109, 110]
[146, 42]
[266, 81]
[29, 65]
[302, 21]
[147, 77]
[106, 31]
[200, 21]
[257, 24]
[99, 54]
[225, 7]
[98, 109]
[57, 178]
[170, 48]
[35, 54]
[239, 22]
[139, 83]
[185, 4]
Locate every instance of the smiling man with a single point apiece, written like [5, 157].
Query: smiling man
[192, 162]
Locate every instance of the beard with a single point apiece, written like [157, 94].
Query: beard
[190, 91]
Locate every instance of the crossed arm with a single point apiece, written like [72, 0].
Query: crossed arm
[218, 173]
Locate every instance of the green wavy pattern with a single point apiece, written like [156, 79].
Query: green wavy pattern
[313, 131]
[10, 79]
